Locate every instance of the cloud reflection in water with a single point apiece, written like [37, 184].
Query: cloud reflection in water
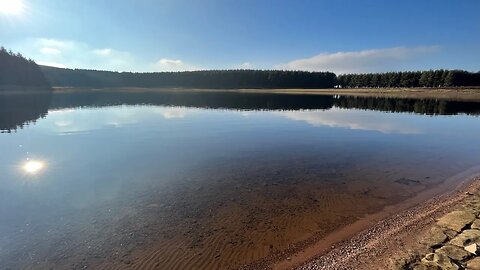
[77, 121]
[354, 119]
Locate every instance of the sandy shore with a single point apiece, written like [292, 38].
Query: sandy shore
[379, 244]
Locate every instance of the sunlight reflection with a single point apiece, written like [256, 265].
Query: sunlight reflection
[33, 166]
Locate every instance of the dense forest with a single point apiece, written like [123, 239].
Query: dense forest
[213, 79]
[229, 79]
[431, 78]
[16, 70]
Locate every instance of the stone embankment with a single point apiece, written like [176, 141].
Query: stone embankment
[452, 243]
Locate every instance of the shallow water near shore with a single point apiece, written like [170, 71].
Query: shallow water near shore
[210, 181]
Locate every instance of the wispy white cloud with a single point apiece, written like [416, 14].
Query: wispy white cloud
[246, 65]
[74, 54]
[166, 64]
[55, 43]
[50, 51]
[103, 52]
[374, 60]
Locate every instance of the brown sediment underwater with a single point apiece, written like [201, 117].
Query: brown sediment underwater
[242, 217]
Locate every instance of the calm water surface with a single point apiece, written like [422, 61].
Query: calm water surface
[210, 181]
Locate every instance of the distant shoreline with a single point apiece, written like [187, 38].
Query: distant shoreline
[461, 94]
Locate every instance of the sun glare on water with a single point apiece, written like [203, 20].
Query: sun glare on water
[33, 166]
[11, 7]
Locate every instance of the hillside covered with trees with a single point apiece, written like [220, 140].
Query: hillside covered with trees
[431, 78]
[16, 70]
[214, 79]
[230, 79]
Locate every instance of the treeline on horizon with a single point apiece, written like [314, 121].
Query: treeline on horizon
[260, 79]
[16, 70]
[229, 79]
[430, 78]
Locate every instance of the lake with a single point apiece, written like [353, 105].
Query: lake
[212, 180]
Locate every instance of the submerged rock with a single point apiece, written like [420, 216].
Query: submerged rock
[456, 220]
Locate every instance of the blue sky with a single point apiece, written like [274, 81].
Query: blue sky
[341, 36]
